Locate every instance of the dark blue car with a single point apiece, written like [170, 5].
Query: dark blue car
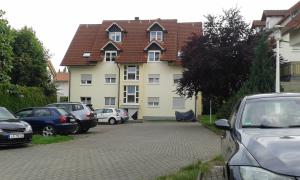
[48, 121]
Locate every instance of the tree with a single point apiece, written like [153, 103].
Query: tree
[262, 75]
[30, 59]
[6, 52]
[218, 62]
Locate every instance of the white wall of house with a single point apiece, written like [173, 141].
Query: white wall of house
[164, 90]
[289, 52]
[62, 88]
[272, 21]
[98, 90]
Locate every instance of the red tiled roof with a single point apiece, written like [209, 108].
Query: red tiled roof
[258, 23]
[290, 11]
[135, 38]
[267, 13]
[61, 76]
[292, 25]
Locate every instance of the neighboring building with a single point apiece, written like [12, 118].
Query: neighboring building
[51, 70]
[61, 81]
[289, 23]
[131, 64]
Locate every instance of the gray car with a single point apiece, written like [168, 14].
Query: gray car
[85, 117]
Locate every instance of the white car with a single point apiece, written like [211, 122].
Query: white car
[108, 115]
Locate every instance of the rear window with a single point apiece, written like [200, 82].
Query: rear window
[62, 111]
[77, 107]
[42, 113]
[99, 110]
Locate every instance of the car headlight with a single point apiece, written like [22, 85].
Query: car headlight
[28, 128]
[255, 173]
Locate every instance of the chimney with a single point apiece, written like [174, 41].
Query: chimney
[136, 18]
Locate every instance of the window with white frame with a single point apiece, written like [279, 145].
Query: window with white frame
[131, 94]
[110, 56]
[86, 54]
[178, 103]
[153, 56]
[156, 35]
[131, 72]
[86, 79]
[153, 101]
[110, 78]
[153, 78]
[176, 78]
[110, 101]
[115, 36]
[86, 100]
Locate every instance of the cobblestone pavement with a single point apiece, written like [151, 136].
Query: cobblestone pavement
[128, 151]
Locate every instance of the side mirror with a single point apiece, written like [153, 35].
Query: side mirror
[222, 124]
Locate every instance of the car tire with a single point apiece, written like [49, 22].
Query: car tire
[112, 121]
[78, 129]
[48, 130]
[85, 130]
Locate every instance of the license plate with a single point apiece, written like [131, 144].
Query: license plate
[72, 120]
[16, 136]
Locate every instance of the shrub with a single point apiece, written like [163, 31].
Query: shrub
[15, 97]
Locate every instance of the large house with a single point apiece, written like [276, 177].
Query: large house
[288, 23]
[131, 64]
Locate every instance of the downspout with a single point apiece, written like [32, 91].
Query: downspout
[119, 80]
[69, 84]
[196, 98]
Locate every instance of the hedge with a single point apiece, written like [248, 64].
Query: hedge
[15, 97]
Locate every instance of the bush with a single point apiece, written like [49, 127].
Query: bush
[63, 99]
[15, 97]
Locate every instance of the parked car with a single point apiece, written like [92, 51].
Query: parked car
[85, 117]
[123, 114]
[12, 130]
[262, 138]
[108, 115]
[48, 121]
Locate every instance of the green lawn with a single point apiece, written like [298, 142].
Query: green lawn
[38, 139]
[191, 172]
[205, 121]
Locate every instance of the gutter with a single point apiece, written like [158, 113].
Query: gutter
[69, 98]
[119, 80]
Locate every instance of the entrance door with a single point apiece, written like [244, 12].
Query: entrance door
[133, 114]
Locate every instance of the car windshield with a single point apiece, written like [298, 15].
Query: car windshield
[5, 114]
[272, 113]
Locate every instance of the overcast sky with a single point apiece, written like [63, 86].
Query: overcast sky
[56, 21]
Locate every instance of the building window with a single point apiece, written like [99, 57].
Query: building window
[115, 36]
[176, 78]
[153, 56]
[131, 94]
[156, 35]
[86, 100]
[86, 54]
[110, 56]
[153, 101]
[178, 103]
[110, 78]
[131, 72]
[153, 78]
[110, 101]
[86, 79]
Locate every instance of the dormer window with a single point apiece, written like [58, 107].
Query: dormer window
[156, 35]
[110, 56]
[115, 32]
[115, 36]
[154, 56]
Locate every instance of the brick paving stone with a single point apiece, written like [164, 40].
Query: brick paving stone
[128, 151]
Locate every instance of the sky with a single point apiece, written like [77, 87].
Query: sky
[56, 21]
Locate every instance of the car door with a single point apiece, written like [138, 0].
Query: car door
[26, 115]
[41, 117]
[107, 113]
[100, 115]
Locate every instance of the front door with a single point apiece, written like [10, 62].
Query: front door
[133, 114]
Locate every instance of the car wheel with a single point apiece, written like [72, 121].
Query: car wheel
[112, 121]
[78, 129]
[48, 131]
[85, 130]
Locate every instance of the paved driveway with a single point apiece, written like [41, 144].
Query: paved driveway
[129, 152]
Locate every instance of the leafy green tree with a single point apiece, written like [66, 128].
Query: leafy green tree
[6, 52]
[218, 62]
[30, 59]
[262, 75]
